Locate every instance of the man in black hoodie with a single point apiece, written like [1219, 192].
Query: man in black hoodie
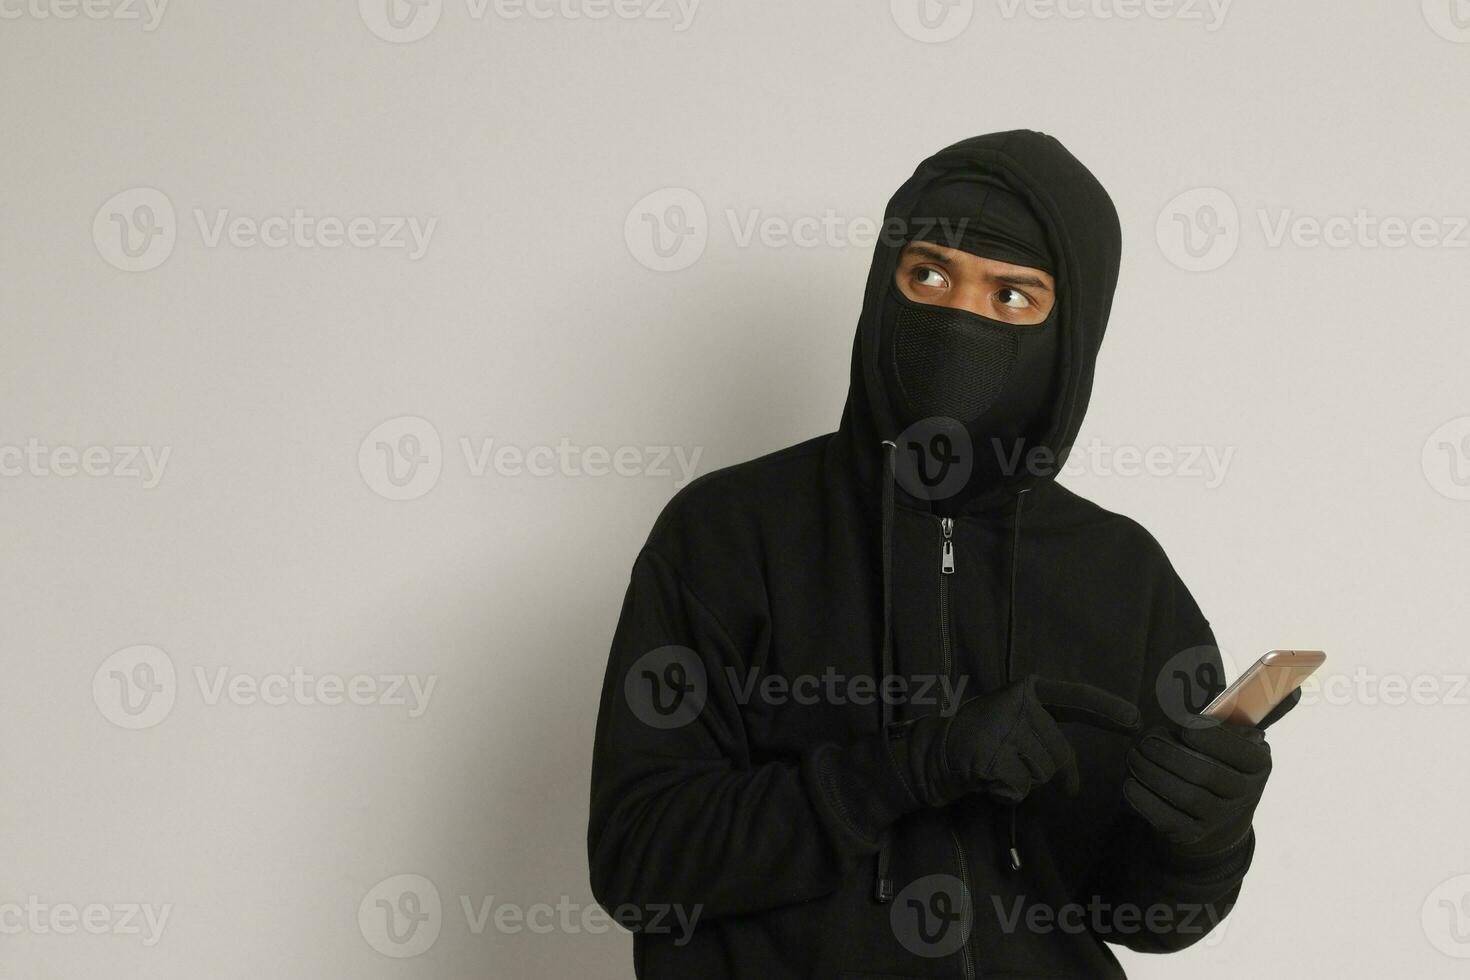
[855, 723]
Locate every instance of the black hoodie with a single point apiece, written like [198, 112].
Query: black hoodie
[735, 718]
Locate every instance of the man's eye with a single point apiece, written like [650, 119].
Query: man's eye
[930, 277]
[1013, 298]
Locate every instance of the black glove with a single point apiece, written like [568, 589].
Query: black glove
[1198, 786]
[1005, 743]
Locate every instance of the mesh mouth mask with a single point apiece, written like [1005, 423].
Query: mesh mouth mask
[956, 364]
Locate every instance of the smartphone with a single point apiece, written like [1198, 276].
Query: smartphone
[1264, 685]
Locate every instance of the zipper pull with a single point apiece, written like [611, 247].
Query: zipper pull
[946, 557]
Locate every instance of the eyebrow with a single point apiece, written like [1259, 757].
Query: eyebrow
[1010, 279]
[928, 253]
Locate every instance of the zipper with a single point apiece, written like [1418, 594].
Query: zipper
[968, 897]
[946, 661]
[946, 569]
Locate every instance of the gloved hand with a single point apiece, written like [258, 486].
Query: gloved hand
[1004, 743]
[1198, 786]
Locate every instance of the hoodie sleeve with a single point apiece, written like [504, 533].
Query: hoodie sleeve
[680, 811]
[1185, 900]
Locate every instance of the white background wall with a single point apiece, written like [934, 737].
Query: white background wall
[266, 546]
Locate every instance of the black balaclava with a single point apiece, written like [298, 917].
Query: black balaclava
[994, 378]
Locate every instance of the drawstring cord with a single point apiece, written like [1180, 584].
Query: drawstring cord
[1015, 853]
[882, 884]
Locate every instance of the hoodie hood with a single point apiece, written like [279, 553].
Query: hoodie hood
[1081, 224]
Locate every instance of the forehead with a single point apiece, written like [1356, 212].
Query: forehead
[954, 258]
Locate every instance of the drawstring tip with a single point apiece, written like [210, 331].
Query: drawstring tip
[882, 883]
[1015, 859]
